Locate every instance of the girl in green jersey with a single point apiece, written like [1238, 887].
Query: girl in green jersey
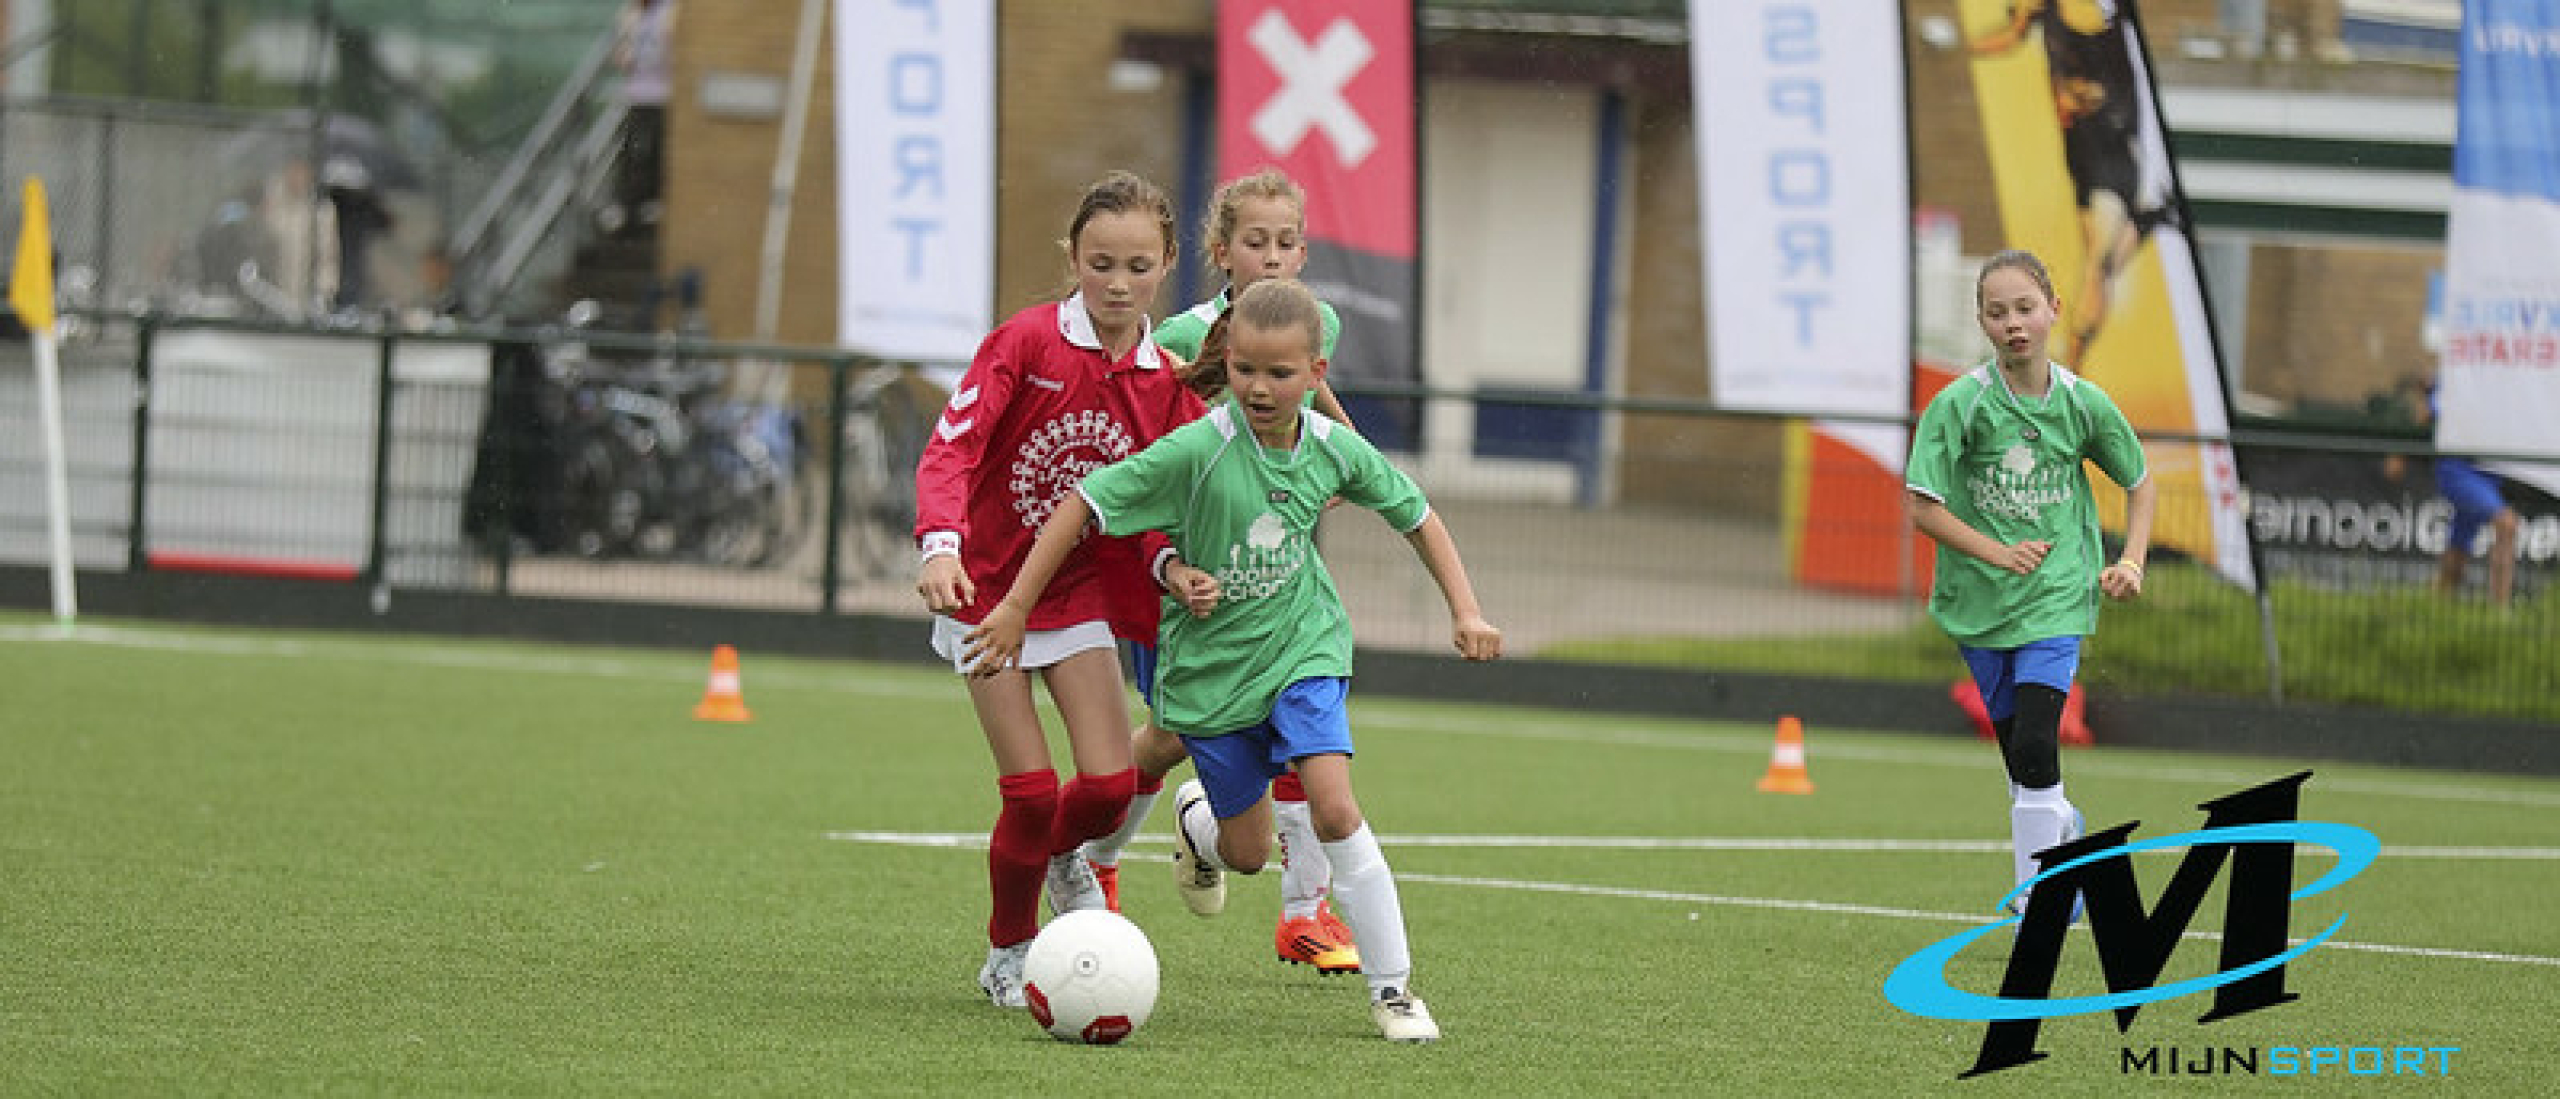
[1998, 478]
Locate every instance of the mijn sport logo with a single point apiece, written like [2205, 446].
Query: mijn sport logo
[2254, 831]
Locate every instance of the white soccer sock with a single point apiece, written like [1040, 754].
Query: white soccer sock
[1304, 870]
[1364, 895]
[1106, 850]
[1202, 826]
[2038, 819]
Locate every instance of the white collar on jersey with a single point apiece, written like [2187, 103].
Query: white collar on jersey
[2060, 378]
[1077, 326]
[1226, 417]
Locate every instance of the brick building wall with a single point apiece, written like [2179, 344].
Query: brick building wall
[2331, 328]
[1055, 61]
[1061, 124]
[719, 174]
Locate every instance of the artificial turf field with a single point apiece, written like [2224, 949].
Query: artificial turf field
[260, 863]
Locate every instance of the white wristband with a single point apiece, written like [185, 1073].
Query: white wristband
[1164, 557]
[941, 543]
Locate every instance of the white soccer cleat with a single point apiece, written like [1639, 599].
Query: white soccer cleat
[1072, 885]
[1402, 1017]
[1001, 977]
[1203, 885]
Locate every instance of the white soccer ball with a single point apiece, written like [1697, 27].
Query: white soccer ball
[1090, 977]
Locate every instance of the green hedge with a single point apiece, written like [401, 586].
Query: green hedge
[2402, 649]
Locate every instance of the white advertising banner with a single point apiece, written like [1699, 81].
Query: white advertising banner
[915, 171]
[1804, 204]
[2500, 387]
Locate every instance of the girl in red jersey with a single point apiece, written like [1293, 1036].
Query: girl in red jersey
[1055, 392]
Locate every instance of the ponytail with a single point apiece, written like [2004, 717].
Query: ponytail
[1207, 373]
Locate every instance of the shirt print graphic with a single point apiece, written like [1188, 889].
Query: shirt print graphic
[1058, 455]
[2017, 489]
[1270, 556]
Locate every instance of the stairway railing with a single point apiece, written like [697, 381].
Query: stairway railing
[564, 164]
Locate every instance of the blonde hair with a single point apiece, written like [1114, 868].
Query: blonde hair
[1287, 304]
[1228, 204]
[1279, 304]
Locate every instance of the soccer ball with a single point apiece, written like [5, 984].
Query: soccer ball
[1090, 977]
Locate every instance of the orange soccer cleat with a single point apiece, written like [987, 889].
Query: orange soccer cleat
[1319, 940]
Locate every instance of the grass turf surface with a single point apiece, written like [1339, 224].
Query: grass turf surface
[261, 863]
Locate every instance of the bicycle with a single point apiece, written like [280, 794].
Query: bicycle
[889, 414]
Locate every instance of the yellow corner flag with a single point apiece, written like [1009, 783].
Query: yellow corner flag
[31, 283]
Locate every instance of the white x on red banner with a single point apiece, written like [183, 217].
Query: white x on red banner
[1312, 82]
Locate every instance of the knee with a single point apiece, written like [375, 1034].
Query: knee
[1242, 853]
[2505, 524]
[1156, 751]
[1335, 822]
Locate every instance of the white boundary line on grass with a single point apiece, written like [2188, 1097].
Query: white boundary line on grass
[1918, 914]
[1700, 843]
[1391, 712]
[975, 840]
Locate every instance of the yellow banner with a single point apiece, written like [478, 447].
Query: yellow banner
[31, 282]
[2079, 163]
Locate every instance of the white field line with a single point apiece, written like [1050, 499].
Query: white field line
[1703, 843]
[1918, 914]
[928, 686]
[978, 840]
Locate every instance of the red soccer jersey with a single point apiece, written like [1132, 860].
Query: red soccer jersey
[1041, 406]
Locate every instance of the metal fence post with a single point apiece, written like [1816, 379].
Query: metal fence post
[137, 547]
[376, 554]
[830, 572]
[2267, 639]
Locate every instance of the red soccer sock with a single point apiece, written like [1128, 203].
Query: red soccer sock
[1288, 788]
[1091, 807]
[1018, 854]
[1150, 784]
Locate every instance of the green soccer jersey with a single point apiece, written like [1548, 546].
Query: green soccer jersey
[1247, 514]
[1182, 332]
[2010, 467]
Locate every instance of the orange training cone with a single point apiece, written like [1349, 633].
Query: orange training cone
[721, 700]
[1786, 761]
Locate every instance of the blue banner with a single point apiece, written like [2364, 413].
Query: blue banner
[2499, 388]
[2507, 99]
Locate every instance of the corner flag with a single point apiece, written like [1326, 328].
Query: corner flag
[31, 293]
[31, 283]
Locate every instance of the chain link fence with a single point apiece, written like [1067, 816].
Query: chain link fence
[220, 212]
[565, 465]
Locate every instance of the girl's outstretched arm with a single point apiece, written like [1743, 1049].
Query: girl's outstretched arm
[997, 641]
[1476, 638]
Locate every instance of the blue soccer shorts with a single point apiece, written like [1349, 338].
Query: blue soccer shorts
[1310, 718]
[1142, 669]
[2047, 662]
[2475, 498]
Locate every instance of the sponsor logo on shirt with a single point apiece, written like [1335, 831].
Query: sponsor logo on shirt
[1270, 556]
[2016, 490]
[1058, 455]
